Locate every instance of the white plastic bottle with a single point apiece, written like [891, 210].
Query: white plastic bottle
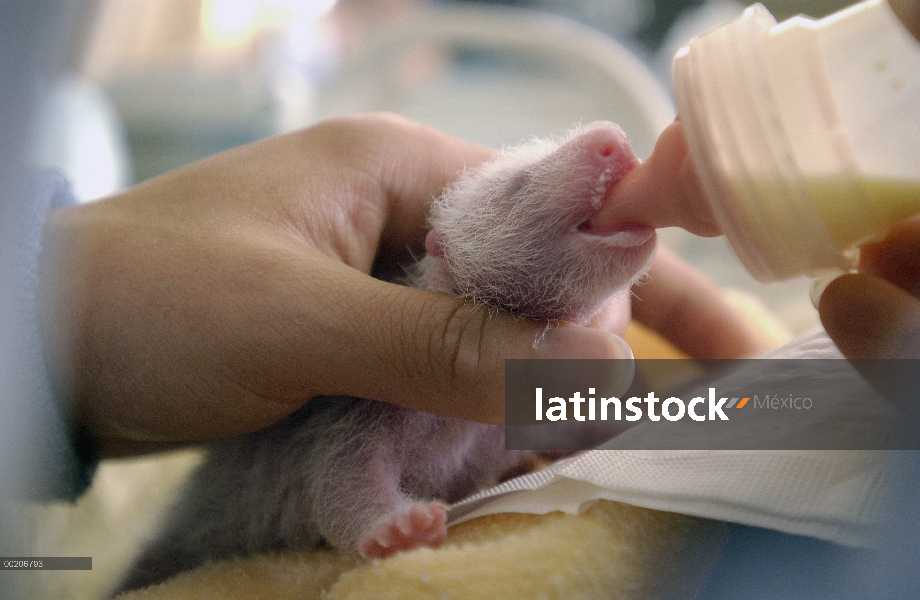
[805, 134]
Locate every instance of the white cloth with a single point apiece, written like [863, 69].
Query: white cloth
[835, 495]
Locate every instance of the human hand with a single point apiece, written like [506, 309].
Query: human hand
[217, 299]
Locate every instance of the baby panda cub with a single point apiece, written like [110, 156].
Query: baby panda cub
[370, 477]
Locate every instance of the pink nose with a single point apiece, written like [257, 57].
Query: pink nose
[609, 149]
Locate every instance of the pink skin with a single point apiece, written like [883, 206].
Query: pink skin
[422, 525]
[566, 188]
[633, 200]
[622, 206]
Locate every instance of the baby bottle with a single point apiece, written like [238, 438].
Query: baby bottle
[805, 134]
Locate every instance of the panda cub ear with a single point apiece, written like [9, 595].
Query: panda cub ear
[433, 243]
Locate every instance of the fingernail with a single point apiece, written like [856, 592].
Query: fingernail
[820, 284]
[570, 342]
[565, 341]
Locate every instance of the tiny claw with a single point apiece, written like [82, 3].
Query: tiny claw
[421, 525]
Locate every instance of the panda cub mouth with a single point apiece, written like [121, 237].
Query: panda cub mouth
[621, 234]
[627, 235]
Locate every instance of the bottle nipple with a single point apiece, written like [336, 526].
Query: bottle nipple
[663, 191]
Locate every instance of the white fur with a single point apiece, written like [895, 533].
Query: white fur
[519, 247]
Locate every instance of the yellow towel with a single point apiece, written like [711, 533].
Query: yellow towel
[610, 551]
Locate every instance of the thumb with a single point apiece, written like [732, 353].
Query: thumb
[868, 317]
[871, 319]
[438, 353]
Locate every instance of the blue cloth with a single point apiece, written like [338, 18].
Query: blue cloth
[37, 458]
[50, 466]
[760, 564]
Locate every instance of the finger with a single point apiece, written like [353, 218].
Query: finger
[895, 258]
[405, 165]
[355, 187]
[690, 311]
[909, 13]
[871, 318]
[428, 351]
